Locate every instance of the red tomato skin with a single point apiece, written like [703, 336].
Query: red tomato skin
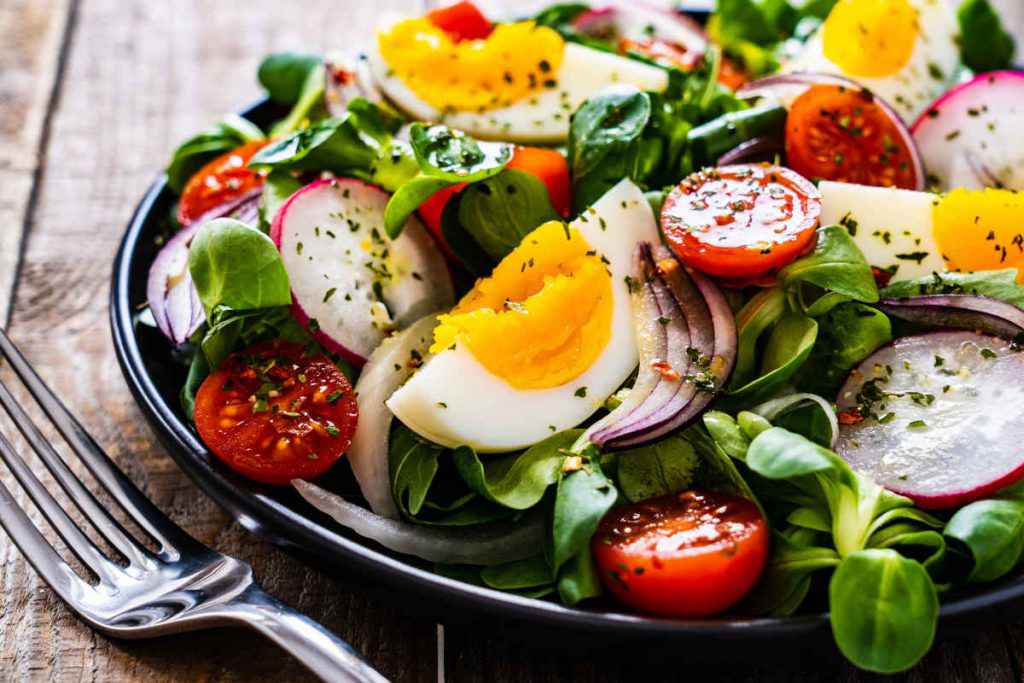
[736, 241]
[461, 21]
[245, 440]
[547, 165]
[221, 180]
[838, 133]
[683, 581]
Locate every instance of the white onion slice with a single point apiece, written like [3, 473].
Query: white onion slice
[770, 410]
[387, 368]
[479, 545]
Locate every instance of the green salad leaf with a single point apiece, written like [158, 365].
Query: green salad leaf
[333, 144]
[516, 481]
[578, 580]
[985, 45]
[835, 265]
[225, 135]
[499, 211]
[533, 572]
[236, 266]
[283, 75]
[996, 284]
[787, 575]
[445, 157]
[848, 334]
[277, 188]
[758, 315]
[413, 464]
[581, 500]
[884, 610]
[788, 348]
[657, 469]
[309, 104]
[992, 532]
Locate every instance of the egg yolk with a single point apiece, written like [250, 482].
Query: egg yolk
[981, 230]
[870, 38]
[543, 316]
[473, 75]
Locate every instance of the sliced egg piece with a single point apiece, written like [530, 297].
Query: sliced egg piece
[905, 51]
[520, 84]
[913, 234]
[539, 345]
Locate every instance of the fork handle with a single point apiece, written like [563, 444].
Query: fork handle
[322, 652]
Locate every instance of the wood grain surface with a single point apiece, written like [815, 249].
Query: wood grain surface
[94, 94]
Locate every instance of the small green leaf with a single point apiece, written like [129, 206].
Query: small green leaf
[789, 346]
[582, 498]
[283, 75]
[499, 211]
[235, 266]
[657, 469]
[836, 265]
[532, 572]
[408, 198]
[884, 609]
[993, 533]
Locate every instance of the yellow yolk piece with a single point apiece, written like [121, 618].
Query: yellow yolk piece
[543, 316]
[870, 38]
[981, 230]
[472, 75]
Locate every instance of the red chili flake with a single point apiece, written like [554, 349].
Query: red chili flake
[666, 371]
[882, 277]
[850, 417]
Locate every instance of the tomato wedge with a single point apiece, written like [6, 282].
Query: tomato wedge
[687, 555]
[741, 222]
[548, 165]
[839, 133]
[461, 21]
[220, 181]
[276, 412]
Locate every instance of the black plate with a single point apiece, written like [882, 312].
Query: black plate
[155, 379]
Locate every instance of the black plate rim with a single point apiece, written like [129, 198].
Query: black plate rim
[266, 516]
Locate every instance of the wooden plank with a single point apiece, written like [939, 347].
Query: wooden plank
[31, 33]
[141, 76]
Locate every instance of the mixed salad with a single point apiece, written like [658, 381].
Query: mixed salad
[698, 317]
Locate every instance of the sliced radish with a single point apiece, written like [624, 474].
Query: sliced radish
[970, 137]
[938, 417]
[347, 275]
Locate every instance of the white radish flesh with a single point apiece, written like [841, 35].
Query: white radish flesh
[346, 274]
[946, 425]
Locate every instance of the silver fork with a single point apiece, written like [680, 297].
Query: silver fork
[184, 586]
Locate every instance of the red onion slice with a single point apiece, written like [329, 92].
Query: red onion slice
[785, 88]
[489, 544]
[173, 299]
[689, 307]
[755, 149]
[640, 21]
[962, 311]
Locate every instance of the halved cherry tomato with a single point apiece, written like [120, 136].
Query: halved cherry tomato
[839, 133]
[225, 178]
[461, 21]
[277, 412]
[548, 165]
[741, 222]
[692, 554]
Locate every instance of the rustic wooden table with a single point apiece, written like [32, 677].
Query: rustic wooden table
[94, 94]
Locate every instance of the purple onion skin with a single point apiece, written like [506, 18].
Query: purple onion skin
[701, 307]
[961, 311]
[755, 149]
[172, 296]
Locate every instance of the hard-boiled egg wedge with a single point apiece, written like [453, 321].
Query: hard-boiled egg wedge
[519, 84]
[902, 50]
[539, 345]
[911, 234]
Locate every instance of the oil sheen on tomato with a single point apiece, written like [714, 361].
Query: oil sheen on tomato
[691, 554]
[276, 412]
[741, 221]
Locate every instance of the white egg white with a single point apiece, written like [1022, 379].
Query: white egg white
[932, 67]
[542, 117]
[892, 227]
[454, 400]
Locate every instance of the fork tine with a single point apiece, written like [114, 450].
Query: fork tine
[100, 518]
[171, 537]
[80, 544]
[40, 554]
